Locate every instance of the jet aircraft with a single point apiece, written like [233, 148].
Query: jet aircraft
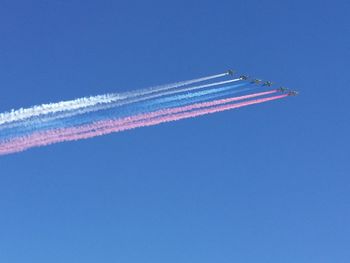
[282, 89]
[256, 81]
[268, 83]
[292, 93]
[231, 72]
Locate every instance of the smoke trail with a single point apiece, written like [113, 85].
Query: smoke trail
[176, 85]
[144, 97]
[22, 113]
[188, 108]
[104, 111]
[118, 112]
[70, 112]
[105, 127]
[170, 111]
[185, 108]
[195, 94]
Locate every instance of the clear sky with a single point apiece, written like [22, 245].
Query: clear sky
[266, 183]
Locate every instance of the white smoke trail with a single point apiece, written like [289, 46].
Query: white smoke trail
[21, 114]
[134, 121]
[173, 85]
[111, 104]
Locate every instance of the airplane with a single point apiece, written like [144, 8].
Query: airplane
[230, 72]
[292, 93]
[256, 81]
[268, 83]
[282, 89]
[243, 77]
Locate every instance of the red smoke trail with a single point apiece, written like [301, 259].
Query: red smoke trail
[62, 131]
[142, 120]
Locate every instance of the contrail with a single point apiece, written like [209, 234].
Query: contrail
[180, 109]
[82, 108]
[51, 121]
[153, 105]
[197, 94]
[144, 97]
[22, 113]
[170, 111]
[142, 120]
[188, 108]
[177, 84]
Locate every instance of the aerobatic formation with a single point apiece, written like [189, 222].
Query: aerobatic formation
[99, 115]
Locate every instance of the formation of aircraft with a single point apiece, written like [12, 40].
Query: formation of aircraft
[266, 83]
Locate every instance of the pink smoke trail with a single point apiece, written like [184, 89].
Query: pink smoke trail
[105, 127]
[168, 111]
[106, 124]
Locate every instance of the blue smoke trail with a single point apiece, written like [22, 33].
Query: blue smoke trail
[118, 112]
[123, 99]
[194, 94]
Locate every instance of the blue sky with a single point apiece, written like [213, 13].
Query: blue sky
[266, 183]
